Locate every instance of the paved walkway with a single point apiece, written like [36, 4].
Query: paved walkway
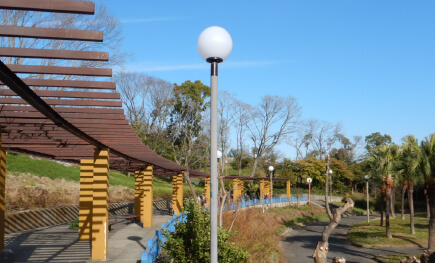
[299, 245]
[127, 241]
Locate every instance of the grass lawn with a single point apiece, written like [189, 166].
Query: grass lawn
[24, 164]
[373, 235]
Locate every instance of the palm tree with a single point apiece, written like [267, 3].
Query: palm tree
[382, 160]
[428, 169]
[407, 167]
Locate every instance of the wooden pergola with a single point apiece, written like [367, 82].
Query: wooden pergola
[78, 121]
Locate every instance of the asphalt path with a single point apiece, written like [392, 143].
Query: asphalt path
[299, 244]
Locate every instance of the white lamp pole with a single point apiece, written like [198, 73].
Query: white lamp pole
[309, 180]
[214, 46]
[330, 183]
[367, 178]
[271, 185]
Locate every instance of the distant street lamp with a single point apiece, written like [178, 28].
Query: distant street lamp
[309, 180]
[330, 183]
[367, 178]
[271, 185]
[214, 46]
[219, 156]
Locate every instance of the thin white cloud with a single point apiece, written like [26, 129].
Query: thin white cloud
[150, 19]
[147, 67]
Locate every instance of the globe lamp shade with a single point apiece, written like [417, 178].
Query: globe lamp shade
[271, 168]
[219, 154]
[215, 44]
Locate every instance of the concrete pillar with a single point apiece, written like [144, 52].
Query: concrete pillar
[2, 196]
[207, 191]
[138, 195]
[86, 199]
[177, 193]
[288, 189]
[147, 211]
[100, 209]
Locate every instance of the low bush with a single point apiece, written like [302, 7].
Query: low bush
[191, 240]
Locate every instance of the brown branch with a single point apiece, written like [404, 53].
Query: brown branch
[321, 252]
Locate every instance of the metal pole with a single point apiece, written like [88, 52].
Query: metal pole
[368, 207]
[213, 163]
[309, 193]
[271, 191]
[330, 188]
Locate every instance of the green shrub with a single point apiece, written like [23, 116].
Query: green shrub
[191, 240]
[74, 224]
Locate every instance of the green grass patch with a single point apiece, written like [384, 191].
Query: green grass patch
[305, 220]
[374, 235]
[23, 164]
[393, 258]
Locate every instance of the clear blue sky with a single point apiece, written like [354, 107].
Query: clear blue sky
[369, 65]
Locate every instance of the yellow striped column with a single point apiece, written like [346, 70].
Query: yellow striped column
[242, 187]
[262, 189]
[177, 193]
[86, 199]
[235, 189]
[207, 191]
[100, 211]
[2, 196]
[147, 211]
[288, 189]
[138, 195]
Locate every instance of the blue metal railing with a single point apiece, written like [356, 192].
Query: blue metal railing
[153, 245]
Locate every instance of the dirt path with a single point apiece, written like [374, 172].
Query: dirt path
[300, 244]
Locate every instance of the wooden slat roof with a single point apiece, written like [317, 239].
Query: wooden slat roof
[67, 119]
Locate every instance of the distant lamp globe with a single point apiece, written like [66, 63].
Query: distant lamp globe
[271, 168]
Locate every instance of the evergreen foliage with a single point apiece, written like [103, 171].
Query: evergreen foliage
[191, 240]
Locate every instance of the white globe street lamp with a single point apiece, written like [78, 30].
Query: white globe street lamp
[214, 46]
[271, 185]
[309, 180]
[367, 178]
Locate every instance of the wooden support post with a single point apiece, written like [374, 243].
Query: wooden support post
[147, 211]
[86, 199]
[262, 189]
[177, 193]
[2, 196]
[288, 189]
[235, 190]
[138, 195]
[242, 187]
[207, 191]
[100, 209]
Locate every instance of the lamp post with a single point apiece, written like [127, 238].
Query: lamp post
[309, 180]
[271, 185]
[219, 156]
[367, 178]
[214, 46]
[330, 184]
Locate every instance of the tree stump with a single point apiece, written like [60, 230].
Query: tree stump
[338, 260]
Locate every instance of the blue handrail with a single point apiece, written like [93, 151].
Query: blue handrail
[153, 244]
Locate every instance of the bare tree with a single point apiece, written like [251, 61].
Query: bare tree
[300, 139]
[274, 118]
[147, 101]
[101, 21]
[322, 136]
[226, 117]
[241, 117]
